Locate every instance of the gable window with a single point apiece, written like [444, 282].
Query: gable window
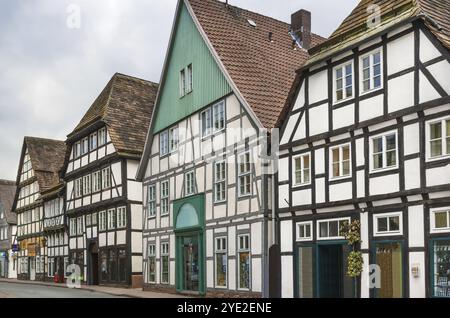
[189, 79]
[371, 71]
[173, 139]
[102, 137]
[96, 181]
[151, 263]
[151, 200]
[164, 143]
[221, 262]
[219, 116]
[304, 231]
[440, 220]
[106, 178]
[388, 224]
[206, 122]
[340, 161]
[93, 141]
[189, 183]
[165, 263]
[220, 175]
[121, 217]
[111, 219]
[331, 229]
[87, 184]
[384, 151]
[165, 197]
[245, 176]
[244, 261]
[102, 220]
[302, 170]
[182, 82]
[438, 137]
[343, 82]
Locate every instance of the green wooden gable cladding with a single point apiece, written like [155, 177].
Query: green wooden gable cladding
[209, 83]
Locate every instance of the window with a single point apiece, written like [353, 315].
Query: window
[371, 72]
[440, 260]
[151, 200]
[340, 161]
[189, 79]
[164, 263]
[219, 116]
[51, 267]
[73, 227]
[102, 137]
[245, 177]
[111, 219]
[244, 261]
[439, 138]
[189, 183]
[164, 143]
[302, 170]
[384, 151]
[85, 146]
[221, 262]
[122, 264]
[331, 229]
[165, 197]
[102, 220]
[94, 219]
[80, 226]
[343, 82]
[440, 220]
[87, 184]
[182, 83]
[220, 185]
[78, 188]
[151, 263]
[173, 139]
[106, 178]
[388, 224]
[103, 265]
[96, 181]
[93, 141]
[206, 118]
[112, 265]
[77, 150]
[121, 218]
[304, 231]
[186, 81]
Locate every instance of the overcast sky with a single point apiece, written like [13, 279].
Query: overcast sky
[50, 74]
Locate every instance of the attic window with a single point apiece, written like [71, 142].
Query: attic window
[252, 23]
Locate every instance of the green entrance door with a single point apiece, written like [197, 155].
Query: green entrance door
[191, 263]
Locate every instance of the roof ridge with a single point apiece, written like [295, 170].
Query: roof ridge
[7, 182]
[135, 78]
[41, 138]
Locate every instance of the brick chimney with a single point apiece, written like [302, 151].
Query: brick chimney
[301, 27]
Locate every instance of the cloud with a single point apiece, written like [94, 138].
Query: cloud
[50, 74]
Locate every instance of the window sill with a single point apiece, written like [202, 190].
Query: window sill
[342, 101]
[437, 158]
[301, 185]
[381, 170]
[343, 178]
[382, 234]
[373, 90]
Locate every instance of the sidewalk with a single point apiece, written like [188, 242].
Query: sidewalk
[122, 292]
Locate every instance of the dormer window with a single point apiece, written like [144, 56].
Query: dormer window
[85, 146]
[93, 141]
[77, 150]
[343, 82]
[102, 137]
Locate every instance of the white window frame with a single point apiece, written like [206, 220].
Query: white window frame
[87, 186]
[77, 150]
[344, 87]
[106, 181]
[245, 174]
[164, 144]
[96, 181]
[174, 139]
[102, 137]
[244, 250]
[189, 177]
[372, 87]
[121, 217]
[78, 188]
[165, 252]
[341, 162]
[183, 83]
[376, 231]
[151, 253]
[433, 228]
[384, 152]
[102, 221]
[80, 225]
[85, 146]
[151, 200]
[444, 137]
[112, 220]
[216, 112]
[302, 170]
[221, 250]
[165, 197]
[331, 238]
[221, 180]
[93, 142]
[189, 79]
[208, 130]
[73, 227]
[311, 234]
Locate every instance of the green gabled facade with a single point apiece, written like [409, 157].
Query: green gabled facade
[209, 84]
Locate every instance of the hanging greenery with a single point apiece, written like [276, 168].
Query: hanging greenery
[352, 233]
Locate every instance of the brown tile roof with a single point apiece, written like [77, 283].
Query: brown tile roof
[7, 191]
[47, 158]
[354, 28]
[125, 106]
[262, 71]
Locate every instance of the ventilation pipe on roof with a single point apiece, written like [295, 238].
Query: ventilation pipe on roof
[301, 28]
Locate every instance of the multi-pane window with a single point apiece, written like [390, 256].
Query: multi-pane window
[343, 82]
[388, 224]
[304, 231]
[221, 262]
[173, 139]
[94, 219]
[151, 198]
[73, 227]
[121, 217]
[80, 225]
[93, 141]
[96, 181]
[111, 219]
[206, 118]
[151, 263]
[85, 146]
[77, 150]
[164, 143]
[384, 151]
[106, 178]
[244, 261]
[78, 190]
[219, 116]
[189, 183]
[440, 220]
[220, 184]
[302, 169]
[165, 197]
[439, 138]
[102, 137]
[340, 161]
[165, 263]
[88, 220]
[27, 170]
[371, 71]
[331, 229]
[245, 174]
[102, 220]
[87, 184]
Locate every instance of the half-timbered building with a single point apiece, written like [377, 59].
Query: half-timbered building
[366, 138]
[207, 212]
[8, 227]
[40, 163]
[103, 199]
